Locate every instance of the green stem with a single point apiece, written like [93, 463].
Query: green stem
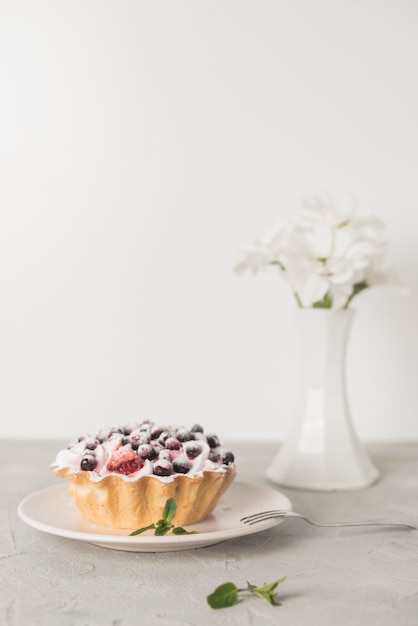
[282, 267]
[298, 300]
[325, 303]
[357, 288]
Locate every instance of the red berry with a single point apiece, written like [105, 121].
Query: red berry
[125, 461]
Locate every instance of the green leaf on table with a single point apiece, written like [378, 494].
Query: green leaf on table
[267, 591]
[227, 594]
[223, 596]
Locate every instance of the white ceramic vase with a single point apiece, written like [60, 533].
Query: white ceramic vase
[322, 451]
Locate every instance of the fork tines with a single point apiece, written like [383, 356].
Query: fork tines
[262, 515]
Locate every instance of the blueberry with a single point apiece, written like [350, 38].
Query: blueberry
[91, 444]
[125, 440]
[135, 444]
[163, 468]
[193, 449]
[163, 437]
[165, 454]
[140, 438]
[227, 457]
[184, 435]
[197, 428]
[88, 463]
[213, 441]
[145, 451]
[156, 432]
[181, 465]
[214, 456]
[172, 444]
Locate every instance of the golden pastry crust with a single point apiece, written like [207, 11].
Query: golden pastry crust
[116, 502]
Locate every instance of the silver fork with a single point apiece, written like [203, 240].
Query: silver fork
[265, 515]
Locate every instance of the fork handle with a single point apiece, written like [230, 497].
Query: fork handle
[344, 524]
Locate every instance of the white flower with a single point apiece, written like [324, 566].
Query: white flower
[264, 251]
[327, 256]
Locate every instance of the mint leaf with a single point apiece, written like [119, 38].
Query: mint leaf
[178, 530]
[164, 525]
[227, 594]
[161, 530]
[169, 510]
[223, 596]
[267, 591]
[142, 530]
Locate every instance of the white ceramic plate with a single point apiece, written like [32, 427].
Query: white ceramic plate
[53, 511]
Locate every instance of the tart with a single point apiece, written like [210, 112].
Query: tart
[123, 476]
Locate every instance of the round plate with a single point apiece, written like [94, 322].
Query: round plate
[53, 511]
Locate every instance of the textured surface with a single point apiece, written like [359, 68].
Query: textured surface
[344, 576]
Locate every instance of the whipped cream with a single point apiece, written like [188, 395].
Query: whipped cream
[145, 449]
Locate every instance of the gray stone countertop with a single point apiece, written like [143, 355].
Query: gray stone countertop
[364, 576]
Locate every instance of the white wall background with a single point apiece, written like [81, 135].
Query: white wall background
[143, 145]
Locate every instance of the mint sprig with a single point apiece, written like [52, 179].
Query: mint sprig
[227, 594]
[164, 525]
[223, 596]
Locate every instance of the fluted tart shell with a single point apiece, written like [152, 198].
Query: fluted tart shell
[116, 502]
